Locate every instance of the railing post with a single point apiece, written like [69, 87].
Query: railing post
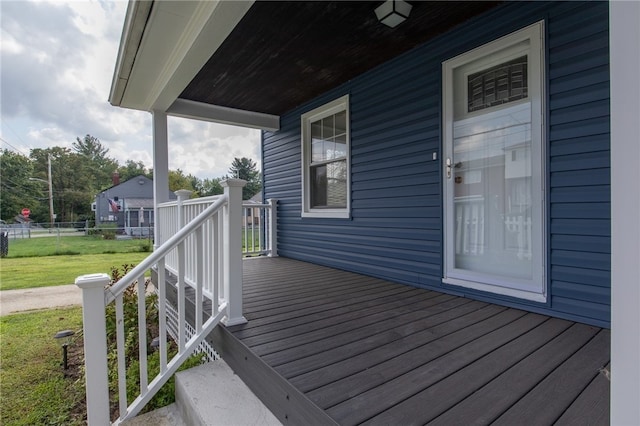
[183, 195]
[95, 347]
[232, 250]
[273, 227]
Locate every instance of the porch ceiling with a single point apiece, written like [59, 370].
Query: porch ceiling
[246, 63]
[282, 54]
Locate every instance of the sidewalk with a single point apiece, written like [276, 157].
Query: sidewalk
[12, 301]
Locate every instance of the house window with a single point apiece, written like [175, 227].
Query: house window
[493, 127]
[325, 160]
[500, 84]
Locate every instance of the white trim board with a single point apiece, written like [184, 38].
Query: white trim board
[218, 114]
[624, 33]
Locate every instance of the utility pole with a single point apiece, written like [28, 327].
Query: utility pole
[50, 184]
[50, 192]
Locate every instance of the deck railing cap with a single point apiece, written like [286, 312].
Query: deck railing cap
[183, 193]
[233, 183]
[92, 280]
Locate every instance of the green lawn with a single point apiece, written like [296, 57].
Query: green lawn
[33, 389]
[28, 272]
[66, 245]
[51, 261]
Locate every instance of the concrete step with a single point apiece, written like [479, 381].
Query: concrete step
[213, 395]
[165, 416]
[210, 395]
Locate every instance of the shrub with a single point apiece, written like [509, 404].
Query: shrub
[166, 395]
[145, 247]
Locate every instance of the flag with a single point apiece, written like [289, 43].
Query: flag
[113, 206]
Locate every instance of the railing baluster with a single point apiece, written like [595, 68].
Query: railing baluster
[181, 298]
[199, 277]
[245, 228]
[221, 271]
[142, 334]
[260, 231]
[162, 313]
[253, 233]
[122, 370]
[215, 296]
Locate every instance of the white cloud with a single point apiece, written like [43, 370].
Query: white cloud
[57, 64]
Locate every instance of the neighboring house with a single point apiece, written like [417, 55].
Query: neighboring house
[467, 150]
[128, 205]
[252, 215]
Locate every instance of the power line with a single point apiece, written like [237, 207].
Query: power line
[21, 192]
[17, 149]
[15, 133]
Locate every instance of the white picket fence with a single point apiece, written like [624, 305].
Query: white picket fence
[470, 238]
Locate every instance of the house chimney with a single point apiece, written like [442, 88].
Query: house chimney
[115, 178]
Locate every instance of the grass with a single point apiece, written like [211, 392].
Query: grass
[54, 246]
[51, 261]
[33, 388]
[48, 271]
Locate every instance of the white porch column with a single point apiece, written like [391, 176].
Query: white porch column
[160, 168]
[232, 251]
[624, 33]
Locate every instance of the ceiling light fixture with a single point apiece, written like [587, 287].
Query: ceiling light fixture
[393, 12]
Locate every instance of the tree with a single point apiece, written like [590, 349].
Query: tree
[207, 187]
[71, 179]
[132, 169]
[97, 161]
[18, 191]
[178, 180]
[246, 169]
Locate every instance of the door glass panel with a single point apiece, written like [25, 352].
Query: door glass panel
[492, 191]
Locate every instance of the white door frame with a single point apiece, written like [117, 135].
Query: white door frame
[536, 288]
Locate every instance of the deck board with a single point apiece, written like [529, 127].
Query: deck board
[546, 402]
[463, 328]
[324, 345]
[517, 383]
[336, 322]
[590, 408]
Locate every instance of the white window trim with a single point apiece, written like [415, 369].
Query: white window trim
[486, 282]
[333, 107]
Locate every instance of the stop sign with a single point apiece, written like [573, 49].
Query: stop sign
[26, 212]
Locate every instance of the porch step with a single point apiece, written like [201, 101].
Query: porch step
[165, 416]
[212, 394]
[209, 395]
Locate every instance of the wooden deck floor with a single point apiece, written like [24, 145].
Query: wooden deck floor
[324, 346]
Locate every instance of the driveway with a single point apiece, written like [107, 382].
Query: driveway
[12, 301]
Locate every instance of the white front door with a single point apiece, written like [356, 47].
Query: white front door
[493, 180]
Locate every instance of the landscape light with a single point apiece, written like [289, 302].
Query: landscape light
[64, 339]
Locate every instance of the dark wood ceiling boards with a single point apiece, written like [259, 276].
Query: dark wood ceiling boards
[283, 54]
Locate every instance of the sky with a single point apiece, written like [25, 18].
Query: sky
[57, 60]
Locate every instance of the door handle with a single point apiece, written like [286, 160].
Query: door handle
[451, 166]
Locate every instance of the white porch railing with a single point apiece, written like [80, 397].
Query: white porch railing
[470, 238]
[219, 224]
[259, 234]
[469, 230]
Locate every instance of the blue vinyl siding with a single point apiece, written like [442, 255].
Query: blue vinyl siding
[395, 231]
